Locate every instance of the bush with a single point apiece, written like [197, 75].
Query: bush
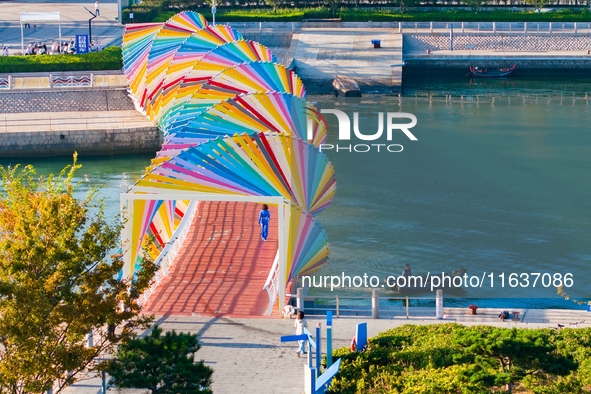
[450, 358]
[108, 59]
[375, 15]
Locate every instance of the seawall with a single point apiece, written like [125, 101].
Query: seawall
[93, 121]
[534, 53]
[65, 100]
[44, 134]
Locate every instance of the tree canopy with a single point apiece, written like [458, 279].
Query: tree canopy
[58, 281]
[163, 364]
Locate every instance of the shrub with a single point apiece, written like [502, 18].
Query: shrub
[371, 14]
[450, 358]
[108, 59]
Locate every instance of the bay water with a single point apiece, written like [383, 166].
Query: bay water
[498, 182]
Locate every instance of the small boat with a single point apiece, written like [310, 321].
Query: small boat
[502, 72]
[346, 86]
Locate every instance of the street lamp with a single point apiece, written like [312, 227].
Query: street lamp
[90, 24]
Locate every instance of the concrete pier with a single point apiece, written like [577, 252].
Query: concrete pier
[323, 53]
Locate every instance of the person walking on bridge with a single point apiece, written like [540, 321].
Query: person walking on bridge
[264, 219]
[97, 12]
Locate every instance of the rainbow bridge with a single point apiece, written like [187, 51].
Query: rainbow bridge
[238, 133]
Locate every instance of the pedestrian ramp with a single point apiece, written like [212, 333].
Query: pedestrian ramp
[222, 267]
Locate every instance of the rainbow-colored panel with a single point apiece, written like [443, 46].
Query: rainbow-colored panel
[235, 123]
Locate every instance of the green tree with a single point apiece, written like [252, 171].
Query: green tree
[537, 4]
[500, 356]
[473, 4]
[407, 3]
[58, 282]
[333, 5]
[272, 3]
[161, 364]
[450, 358]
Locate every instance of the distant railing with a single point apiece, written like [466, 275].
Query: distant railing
[5, 82]
[23, 81]
[272, 284]
[583, 28]
[358, 305]
[168, 255]
[421, 27]
[61, 81]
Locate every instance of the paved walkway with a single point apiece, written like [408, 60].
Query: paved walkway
[322, 54]
[223, 266]
[37, 81]
[74, 20]
[247, 357]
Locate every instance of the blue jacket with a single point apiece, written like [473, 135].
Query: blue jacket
[264, 216]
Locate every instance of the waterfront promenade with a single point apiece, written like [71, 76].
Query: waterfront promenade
[247, 357]
[74, 20]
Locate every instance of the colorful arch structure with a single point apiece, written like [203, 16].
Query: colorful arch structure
[236, 127]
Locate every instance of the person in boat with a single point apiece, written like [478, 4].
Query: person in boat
[407, 271]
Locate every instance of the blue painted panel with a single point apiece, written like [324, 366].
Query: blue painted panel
[327, 376]
[292, 338]
[361, 336]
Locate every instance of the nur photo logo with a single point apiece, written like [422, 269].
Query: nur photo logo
[391, 122]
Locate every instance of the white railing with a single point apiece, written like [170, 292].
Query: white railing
[556, 28]
[67, 81]
[5, 82]
[168, 255]
[272, 284]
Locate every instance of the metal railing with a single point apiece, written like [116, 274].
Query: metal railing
[358, 305]
[583, 28]
[168, 255]
[429, 27]
[68, 81]
[5, 82]
[272, 284]
[23, 82]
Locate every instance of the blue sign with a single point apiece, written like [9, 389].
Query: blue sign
[81, 43]
[361, 336]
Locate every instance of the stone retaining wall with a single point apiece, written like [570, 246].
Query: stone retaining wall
[496, 42]
[64, 100]
[87, 142]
